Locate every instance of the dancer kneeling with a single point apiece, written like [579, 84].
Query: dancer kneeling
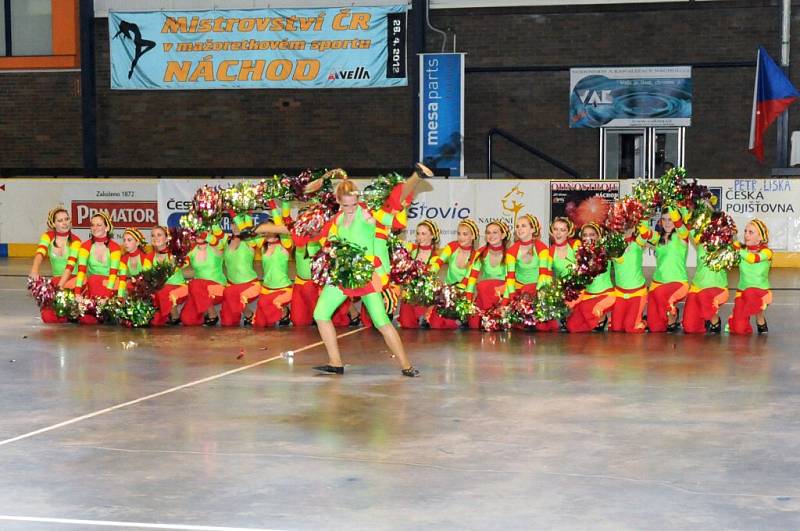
[276, 289]
[753, 294]
[487, 276]
[670, 280]
[175, 290]
[708, 291]
[98, 264]
[597, 299]
[208, 284]
[61, 247]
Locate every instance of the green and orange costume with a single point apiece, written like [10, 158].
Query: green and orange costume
[670, 283]
[486, 282]
[243, 286]
[753, 294]
[630, 285]
[362, 232]
[175, 290]
[458, 271]
[62, 258]
[707, 293]
[411, 314]
[276, 286]
[595, 302]
[208, 284]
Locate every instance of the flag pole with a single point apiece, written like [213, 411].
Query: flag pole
[782, 158]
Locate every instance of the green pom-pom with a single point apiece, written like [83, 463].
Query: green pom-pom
[376, 193]
[241, 198]
[422, 290]
[549, 304]
[614, 244]
[723, 258]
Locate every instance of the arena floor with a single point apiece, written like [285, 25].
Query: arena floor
[213, 429]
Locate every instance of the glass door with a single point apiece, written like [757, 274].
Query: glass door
[640, 152]
[623, 153]
[668, 149]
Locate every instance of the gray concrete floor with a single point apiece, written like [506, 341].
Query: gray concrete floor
[502, 431]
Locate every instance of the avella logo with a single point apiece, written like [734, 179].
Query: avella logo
[357, 73]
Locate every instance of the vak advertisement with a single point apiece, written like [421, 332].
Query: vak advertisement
[358, 47]
[582, 201]
[442, 112]
[630, 97]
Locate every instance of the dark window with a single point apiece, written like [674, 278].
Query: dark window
[27, 27]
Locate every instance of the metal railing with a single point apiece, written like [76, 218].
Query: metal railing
[491, 163]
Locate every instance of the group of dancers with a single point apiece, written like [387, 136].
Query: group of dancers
[225, 287]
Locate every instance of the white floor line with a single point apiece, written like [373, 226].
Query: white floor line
[139, 525]
[161, 393]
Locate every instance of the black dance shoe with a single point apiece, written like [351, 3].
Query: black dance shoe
[424, 324]
[411, 372]
[330, 369]
[208, 321]
[248, 321]
[762, 328]
[602, 326]
[422, 170]
[354, 321]
[174, 322]
[714, 329]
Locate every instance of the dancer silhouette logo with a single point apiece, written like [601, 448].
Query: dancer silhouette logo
[129, 30]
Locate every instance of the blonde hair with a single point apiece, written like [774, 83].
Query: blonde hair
[762, 229]
[346, 187]
[568, 222]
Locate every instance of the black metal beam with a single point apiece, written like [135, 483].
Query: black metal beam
[418, 8]
[251, 173]
[7, 25]
[563, 68]
[88, 89]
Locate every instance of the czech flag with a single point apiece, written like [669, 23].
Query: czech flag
[772, 94]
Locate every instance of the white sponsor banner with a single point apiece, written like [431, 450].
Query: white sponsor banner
[24, 204]
[484, 201]
[175, 198]
[129, 202]
[774, 201]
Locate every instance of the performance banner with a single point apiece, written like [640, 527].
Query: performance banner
[442, 111]
[630, 97]
[582, 201]
[359, 47]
